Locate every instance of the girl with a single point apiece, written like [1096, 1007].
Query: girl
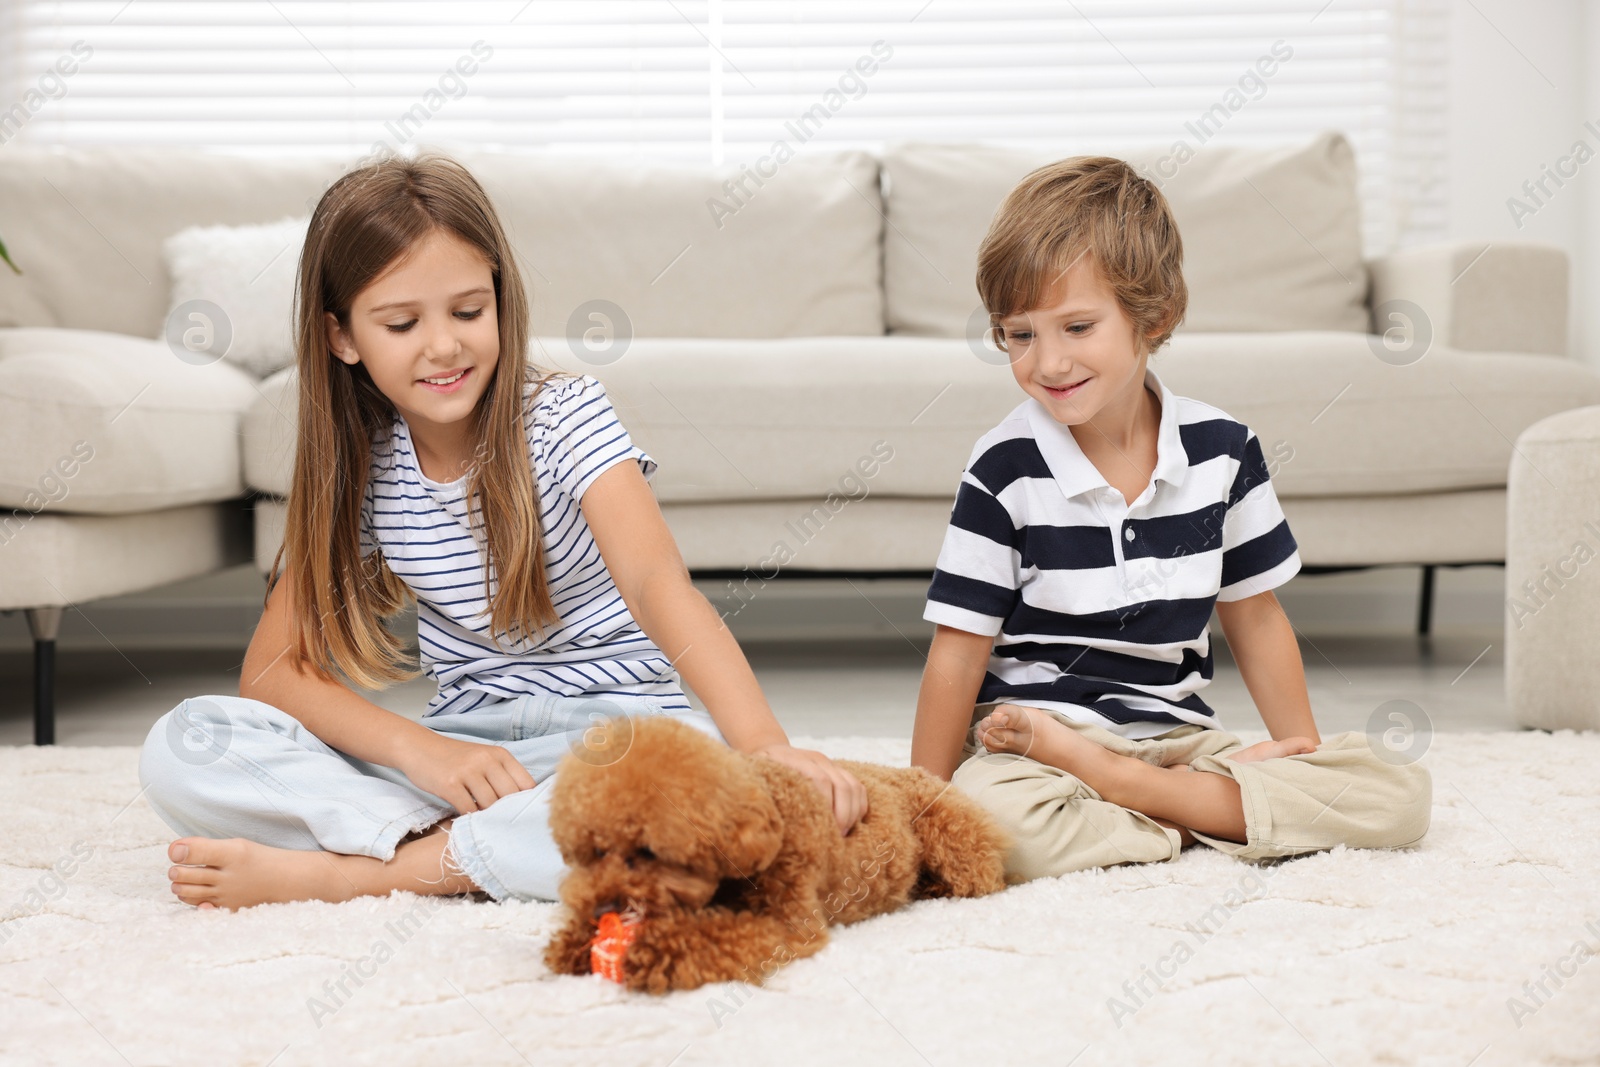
[434, 463]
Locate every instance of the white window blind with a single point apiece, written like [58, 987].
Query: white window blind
[722, 80]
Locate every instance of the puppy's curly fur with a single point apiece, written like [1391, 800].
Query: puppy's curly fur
[736, 862]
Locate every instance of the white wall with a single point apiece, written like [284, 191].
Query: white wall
[1524, 77]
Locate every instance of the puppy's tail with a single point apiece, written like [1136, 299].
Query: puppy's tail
[963, 849]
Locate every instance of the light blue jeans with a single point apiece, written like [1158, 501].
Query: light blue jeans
[226, 766]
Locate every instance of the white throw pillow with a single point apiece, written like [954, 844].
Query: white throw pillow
[249, 273]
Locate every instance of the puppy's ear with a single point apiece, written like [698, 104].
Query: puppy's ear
[757, 831]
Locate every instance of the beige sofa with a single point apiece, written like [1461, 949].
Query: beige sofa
[766, 336]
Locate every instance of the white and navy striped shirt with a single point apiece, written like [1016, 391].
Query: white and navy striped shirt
[421, 527]
[1099, 607]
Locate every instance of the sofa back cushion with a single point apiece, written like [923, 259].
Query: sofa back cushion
[693, 251]
[1271, 236]
[683, 251]
[87, 226]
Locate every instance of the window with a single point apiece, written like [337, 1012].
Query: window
[720, 80]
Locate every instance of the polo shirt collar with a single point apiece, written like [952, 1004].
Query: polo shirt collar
[1071, 468]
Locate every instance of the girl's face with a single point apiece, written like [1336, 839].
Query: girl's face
[426, 330]
[1080, 354]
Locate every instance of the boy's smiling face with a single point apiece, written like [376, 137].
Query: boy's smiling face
[1079, 354]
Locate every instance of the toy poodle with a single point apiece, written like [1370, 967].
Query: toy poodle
[722, 867]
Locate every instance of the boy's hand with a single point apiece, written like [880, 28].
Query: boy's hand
[464, 774]
[841, 789]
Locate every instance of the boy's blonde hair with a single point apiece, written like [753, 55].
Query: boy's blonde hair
[366, 221]
[1087, 206]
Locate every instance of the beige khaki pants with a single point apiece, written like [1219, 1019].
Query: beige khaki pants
[1344, 793]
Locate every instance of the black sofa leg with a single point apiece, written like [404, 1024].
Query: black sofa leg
[44, 623]
[1425, 602]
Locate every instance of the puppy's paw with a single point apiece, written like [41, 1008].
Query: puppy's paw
[568, 950]
[681, 951]
[645, 971]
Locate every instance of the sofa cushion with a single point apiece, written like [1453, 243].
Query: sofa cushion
[799, 418]
[57, 560]
[1271, 236]
[87, 226]
[684, 251]
[102, 423]
[267, 433]
[753, 419]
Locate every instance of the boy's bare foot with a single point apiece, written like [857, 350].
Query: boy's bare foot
[1035, 733]
[1019, 730]
[1188, 801]
[1041, 736]
[1289, 746]
[1185, 838]
[1007, 729]
[238, 873]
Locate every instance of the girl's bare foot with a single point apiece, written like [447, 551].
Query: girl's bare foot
[238, 873]
[1289, 746]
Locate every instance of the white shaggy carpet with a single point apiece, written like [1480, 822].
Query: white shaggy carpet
[1341, 958]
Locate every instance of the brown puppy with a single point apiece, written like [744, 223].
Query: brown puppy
[735, 863]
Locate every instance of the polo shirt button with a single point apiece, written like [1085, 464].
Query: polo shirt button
[1128, 533]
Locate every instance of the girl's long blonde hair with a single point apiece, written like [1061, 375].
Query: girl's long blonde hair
[366, 221]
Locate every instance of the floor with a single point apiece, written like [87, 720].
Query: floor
[1445, 955]
[1450, 681]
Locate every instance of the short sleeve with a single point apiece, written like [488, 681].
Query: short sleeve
[977, 578]
[1258, 551]
[586, 438]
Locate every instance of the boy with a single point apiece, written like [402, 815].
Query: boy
[1092, 533]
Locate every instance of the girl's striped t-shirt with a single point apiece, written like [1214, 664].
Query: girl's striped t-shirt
[422, 528]
[1100, 608]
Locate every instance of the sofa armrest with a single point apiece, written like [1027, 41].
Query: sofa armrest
[1479, 296]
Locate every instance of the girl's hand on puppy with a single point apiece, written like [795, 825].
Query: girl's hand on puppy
[464, 774]
[842, 790]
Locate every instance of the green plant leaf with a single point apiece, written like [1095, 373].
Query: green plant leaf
[7, 257]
